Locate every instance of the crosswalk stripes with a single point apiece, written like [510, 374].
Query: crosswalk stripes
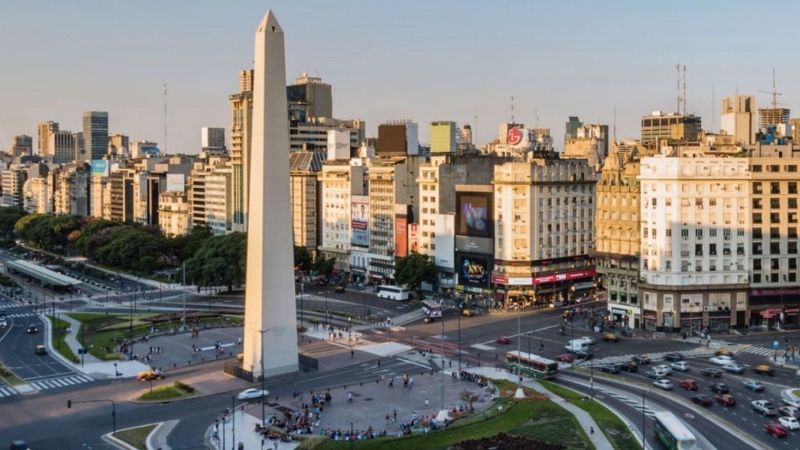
[759, 351]
[60, 382]
[634, 403]
[7, 392]
[619, 359]
[19, 316]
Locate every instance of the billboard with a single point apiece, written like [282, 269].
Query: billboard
[473, 214]
[444, 241]
[521, 138]
[338, 144]
[400, 236]
[99, 168]
[413, 238]
[473, 271]
[391, 139]
[359, 223]
[176, 182]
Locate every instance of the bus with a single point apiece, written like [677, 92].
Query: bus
[672, 432]
[393, 293]
[532, 365]
[432, 309]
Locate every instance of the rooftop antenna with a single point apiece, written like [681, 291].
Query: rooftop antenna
[678, 80]
[684, 89]
[475, 133]
[615, 123]
[774, 91]
[536, 116]
[512, 109]
[165, 119]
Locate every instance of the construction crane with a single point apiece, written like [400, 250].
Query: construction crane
[774, 91]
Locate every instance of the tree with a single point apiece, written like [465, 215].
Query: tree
[324, 266]
[302, 259]
[413, 269]
[9, 218]
[220, 261]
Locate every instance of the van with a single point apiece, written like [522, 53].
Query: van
[577, 345]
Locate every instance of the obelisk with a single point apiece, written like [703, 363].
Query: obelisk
[270, 317]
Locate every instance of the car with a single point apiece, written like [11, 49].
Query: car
[721, 360]
[610, 368]
[733, 368]
[19, 445]
[791, 401]
[663, 384]
[763, 369]
[429, 319]
[683, 366]
[764, 407]
[673, 357]
[725, 399]
[40, 350]
[657, 374]
[629, 366]
[149, 375]
[719, 388]
[723, 352]
[3, 323]
[467, 312]
[505, 340]
[789, 422]
[776, 429]
[340, 289]
[611, 337]
[3, 313]
[664, 368]
[321, 282]
[702, 399]
[32, 328]
[252, 393]
[789, 411]
[689, 384]
[753, 385]
[565, 357]
[641, 359]
[589, 339]
[580, 354]
[711, 372]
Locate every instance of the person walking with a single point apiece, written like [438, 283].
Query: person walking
[426, 402]
[591, 431]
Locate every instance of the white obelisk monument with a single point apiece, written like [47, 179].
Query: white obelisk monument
[270, 318]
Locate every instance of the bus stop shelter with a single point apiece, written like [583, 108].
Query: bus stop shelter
[47, 277]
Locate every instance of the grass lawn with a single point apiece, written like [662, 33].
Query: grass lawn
[611, 425]
[59, 345]
[136, 436]
[173, 391]
[534, 418]
[9, 376]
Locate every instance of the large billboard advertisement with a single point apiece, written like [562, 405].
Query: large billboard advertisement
[413, 238]
[391, 139]
[100, 168]
[401, 236]
[359, 223]
[338, 144]
[175, 182]
[474, 213]
[473, 271]
[445, 241]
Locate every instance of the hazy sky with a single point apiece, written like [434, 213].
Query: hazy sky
[389, 60]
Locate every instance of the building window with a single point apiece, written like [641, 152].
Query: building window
[757, 188]
[774, 188]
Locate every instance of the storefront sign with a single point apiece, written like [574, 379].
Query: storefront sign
[621, 311]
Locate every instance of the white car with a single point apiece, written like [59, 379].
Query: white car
[683, 366]
[794, 401]
[789, 422]
[722, 360]
[252, 393]
[663, 368]
[3, 323]
[590, 340]
[663, 384]
[733, 368]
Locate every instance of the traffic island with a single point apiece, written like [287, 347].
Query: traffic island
[176, 391]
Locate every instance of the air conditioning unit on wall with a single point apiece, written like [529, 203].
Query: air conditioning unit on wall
[706, 308]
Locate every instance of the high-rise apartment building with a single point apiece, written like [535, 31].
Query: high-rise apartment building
[308, 98]
[241, 126]
[739, 118]
[304, 196]
[675, 126]
[62, 147]
[118, 146]
[46, 129]
[212, 138]
[341, 197]
[95, 135]
[444, 137]
[12, 180]
[71, 190]
[21, 146]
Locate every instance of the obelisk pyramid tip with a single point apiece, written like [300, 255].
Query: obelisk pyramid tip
[269, 23]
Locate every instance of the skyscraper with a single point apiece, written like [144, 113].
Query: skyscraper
[241, 124]
[45, 130]
[95, 136]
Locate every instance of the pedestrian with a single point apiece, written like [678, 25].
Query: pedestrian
[379, 363]
[352, 353]
[394, 415]
[591, 431]
[426, 402]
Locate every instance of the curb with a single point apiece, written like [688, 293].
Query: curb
[157, 439]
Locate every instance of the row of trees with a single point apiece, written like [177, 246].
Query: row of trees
[209, 260]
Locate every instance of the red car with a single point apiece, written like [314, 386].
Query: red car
[726, 400]
[566, 357]
[689, 384]
[776, 430]
[503, 340]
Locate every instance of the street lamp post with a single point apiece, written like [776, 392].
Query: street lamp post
[263, 378]
[591, 375]
[459, 340]
[441, 342]
[644, 441]
[113, 410]
[302, 316]
[233, 423]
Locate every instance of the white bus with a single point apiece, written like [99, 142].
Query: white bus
[432, 309]
[672, 432]
[393, 293]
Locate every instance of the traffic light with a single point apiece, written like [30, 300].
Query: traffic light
[69, 404]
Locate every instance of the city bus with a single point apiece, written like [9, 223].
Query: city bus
[672, 432]
[393, 293]
[532, 365]
[432, 309]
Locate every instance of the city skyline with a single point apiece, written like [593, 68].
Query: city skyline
[424, 62]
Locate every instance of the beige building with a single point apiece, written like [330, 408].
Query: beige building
[38, 195]
[339, 183]
[241, 126]
[210, 193]
[590, 142]
[71, 190]
[739, 118]
[13, 180]
[173, 212]
[45, 130]
[21, 146]
[304, 195]
[118, 146]
[658, 126]
[543, 228]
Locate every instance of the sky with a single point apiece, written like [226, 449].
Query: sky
[608, 62]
